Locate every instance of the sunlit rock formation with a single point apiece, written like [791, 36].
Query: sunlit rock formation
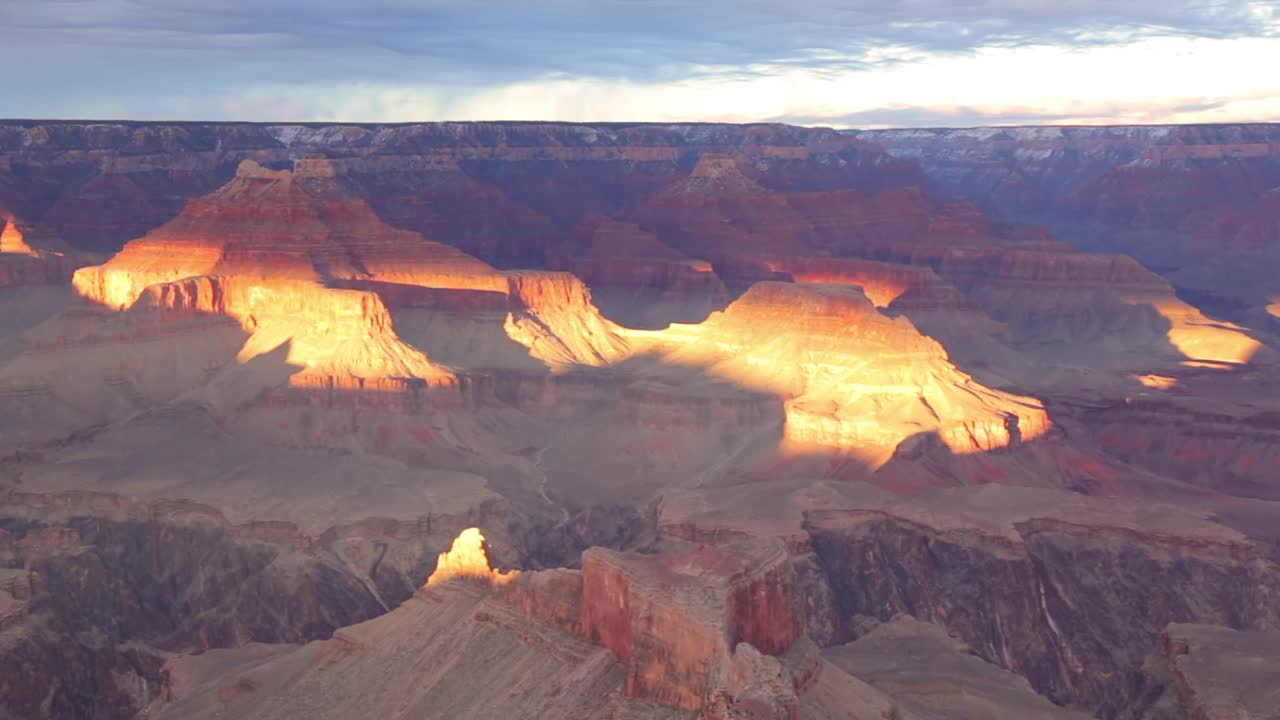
[1089, 297]
[468, 559]
[855, 381]
[30, 254]
[278, 225]
[300, 264]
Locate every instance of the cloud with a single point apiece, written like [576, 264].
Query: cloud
[381, 58]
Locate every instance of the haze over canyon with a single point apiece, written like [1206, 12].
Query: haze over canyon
[633, 421]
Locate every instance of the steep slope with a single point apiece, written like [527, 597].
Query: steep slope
[1070, 592]
[1214, 673]
[856, 381]
[497, 190]
[635, 637]
[935, 675]
[636, 279]
[31, 254]
[1182, 199]
[1106, 305]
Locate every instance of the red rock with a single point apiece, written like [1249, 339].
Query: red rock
[1237, 228]
[869, 381]
[31, 254]
[718, 211]
[483, 187]
[636, 278]
[673, 620]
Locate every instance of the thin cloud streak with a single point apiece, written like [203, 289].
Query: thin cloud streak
[383, 59]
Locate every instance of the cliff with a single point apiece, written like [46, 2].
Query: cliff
[880, 381]
[1079, 636]
[635, 278]
[933, 674]
[1177, 197]
[1214, 673]
[31, 254]
[674, 621]
[480, 186]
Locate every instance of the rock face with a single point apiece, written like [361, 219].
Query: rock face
[1021, 596]
[638, 280]
[445, 651]
[1063, 168]
[485, 187]
[1189, 200]
[675, 621]
[1215, 672]
[935, 675]
[31, 254]
[872, 366]
[1054, 296]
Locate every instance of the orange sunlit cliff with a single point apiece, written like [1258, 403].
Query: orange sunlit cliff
[467, 558]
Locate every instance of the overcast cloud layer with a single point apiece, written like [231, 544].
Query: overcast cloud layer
[846, 63]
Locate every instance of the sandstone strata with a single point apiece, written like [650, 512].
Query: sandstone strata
[675, 622]
[1006, 577]
[636, 278]
[880, 382]
[1188, 200]
[935, 675]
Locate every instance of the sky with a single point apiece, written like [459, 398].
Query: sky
[850, 63]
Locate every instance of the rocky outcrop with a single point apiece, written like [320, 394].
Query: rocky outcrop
[1073, 603]
[31, 255]
[717, 211]
[928, 672]
[881, 380]
[267, 224]
[1214, 673]
[1057, 296]
[674, 621]
[467, 559]
[447, 652]
[136, 581]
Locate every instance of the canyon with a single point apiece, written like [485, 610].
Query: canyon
[637, 421]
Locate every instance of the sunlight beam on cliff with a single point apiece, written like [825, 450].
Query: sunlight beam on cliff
[468, 558]
[1202, 339]
[12, 241]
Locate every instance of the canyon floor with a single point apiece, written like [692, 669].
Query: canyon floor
[681, 421]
